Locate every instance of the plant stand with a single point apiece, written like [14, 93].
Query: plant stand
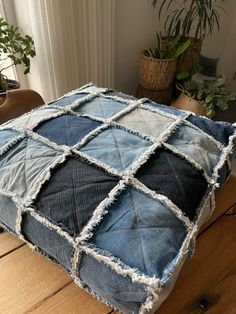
[162, 96]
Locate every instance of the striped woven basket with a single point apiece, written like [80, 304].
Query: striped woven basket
[156, 74]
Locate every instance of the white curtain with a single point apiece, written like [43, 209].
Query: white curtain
[74, 42]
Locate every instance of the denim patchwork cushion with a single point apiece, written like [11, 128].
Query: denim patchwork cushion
[112, 188]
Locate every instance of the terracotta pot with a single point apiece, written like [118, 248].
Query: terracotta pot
[189, 58]
[185, 102]
[156, 74]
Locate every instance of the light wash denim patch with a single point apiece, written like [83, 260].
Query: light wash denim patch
[116, 147]
[129, 229]
[100, 107]
[197, 146]
[145, 121]
[22, 163]
[116, 289]
[7, 136]
[32, 119]
[65, 101]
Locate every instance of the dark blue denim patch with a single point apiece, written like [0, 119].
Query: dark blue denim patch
[8, 212]
[101, 107]
[73, 192]
[175, 178]
[120, 291]
[219, 130]
[66, 129]
[65, 101]
[141, 231]
[48, 241]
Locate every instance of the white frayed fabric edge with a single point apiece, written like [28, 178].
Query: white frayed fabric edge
[162, 112]
[100, 212]
[121, 268]
[90, 136]
[152, 298]
[219, 145]
[82, 285]
[42, 178]
[164, 200]
[151, 150]
[50, 225]
[12, 142]
[190, 160]
[100, 164]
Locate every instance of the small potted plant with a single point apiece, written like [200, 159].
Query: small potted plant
[17, 48]
[157, 65]
[193, 18]
[202, 98]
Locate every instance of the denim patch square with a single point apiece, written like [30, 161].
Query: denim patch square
[71, 202]
[21, 165]
[116, 147]
[197, 146]
[100, 107]
[147, 122]
[132, 223]
[170, 175]
[116, 289]
[66, 129]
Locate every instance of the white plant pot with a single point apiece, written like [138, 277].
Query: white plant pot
[185, 102]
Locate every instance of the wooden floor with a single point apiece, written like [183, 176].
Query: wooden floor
[29, 283]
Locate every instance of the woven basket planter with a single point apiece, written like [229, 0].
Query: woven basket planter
[189, 58]
[156, 74]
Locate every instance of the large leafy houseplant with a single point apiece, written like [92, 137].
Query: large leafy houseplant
[16, 47]
[208, 94]
[187, 18]
[157, 65]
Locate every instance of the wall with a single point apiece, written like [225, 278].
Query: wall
[136, 24]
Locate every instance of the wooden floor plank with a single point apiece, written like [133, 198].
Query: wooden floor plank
[72, 300]
[8, 243]
[26, 279]
[209, 276]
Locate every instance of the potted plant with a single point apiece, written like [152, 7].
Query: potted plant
[202, 98]
[17, 48]
[157, 65]
[193, 18]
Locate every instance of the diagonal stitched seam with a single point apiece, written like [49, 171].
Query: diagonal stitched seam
[140, 238]
[145, 122]
[117, 149]
[173, 171]
[32, 158]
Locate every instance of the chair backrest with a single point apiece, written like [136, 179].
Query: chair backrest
[18, 102]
